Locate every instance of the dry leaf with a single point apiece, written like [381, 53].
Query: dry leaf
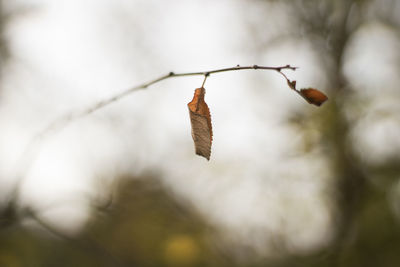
[200, 120]
[313, 96]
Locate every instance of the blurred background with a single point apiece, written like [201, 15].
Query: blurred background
[288, 184]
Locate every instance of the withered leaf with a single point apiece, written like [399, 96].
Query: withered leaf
[200, 120]
[313, 96]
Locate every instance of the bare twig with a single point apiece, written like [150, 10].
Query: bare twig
[32, 149]
[62, 121]
[127, 92]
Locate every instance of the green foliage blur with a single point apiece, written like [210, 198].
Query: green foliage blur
[144, 225]
[141, 226]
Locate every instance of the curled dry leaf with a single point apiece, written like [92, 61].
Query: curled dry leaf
[200, 120]
[313, 96]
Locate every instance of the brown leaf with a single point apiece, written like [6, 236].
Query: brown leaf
[200, 120]
[313, 96]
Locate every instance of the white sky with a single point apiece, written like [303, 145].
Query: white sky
[70, 54]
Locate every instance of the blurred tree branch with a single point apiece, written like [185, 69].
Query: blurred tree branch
[84, 241]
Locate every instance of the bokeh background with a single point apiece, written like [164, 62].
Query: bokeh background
[288, 184]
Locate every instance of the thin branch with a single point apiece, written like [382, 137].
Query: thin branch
[32, 149]
[253, 67]
[101, 104]
[127, 92]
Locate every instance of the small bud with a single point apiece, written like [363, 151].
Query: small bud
[292, 84]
